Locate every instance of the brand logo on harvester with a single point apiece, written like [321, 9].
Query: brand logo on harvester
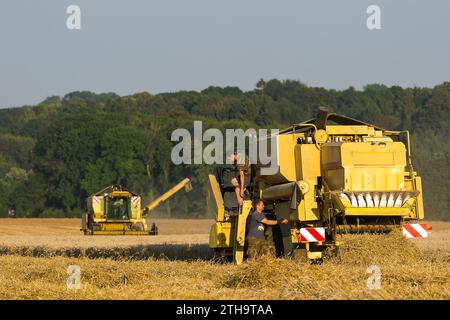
[261, 147]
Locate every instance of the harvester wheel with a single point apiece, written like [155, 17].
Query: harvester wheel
[316, 261]
[153, 229]
[333, 253]
[222, 255]
[301, 255]
[336, 252]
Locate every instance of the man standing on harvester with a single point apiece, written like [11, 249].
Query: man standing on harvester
[238, 182]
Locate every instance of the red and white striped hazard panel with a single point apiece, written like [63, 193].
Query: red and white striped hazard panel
[96, 199]
[135, 200]
[416, 230]
[312, 234]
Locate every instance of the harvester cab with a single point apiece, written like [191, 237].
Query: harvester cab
[116, 210]
[335, 175]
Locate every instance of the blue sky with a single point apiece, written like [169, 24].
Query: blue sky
[169, 45]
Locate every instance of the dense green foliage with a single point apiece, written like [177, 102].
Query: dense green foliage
[53, 155]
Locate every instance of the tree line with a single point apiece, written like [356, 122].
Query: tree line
[53, 155]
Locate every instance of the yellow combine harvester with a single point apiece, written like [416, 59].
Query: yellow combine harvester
[335, 174]
[117, 211]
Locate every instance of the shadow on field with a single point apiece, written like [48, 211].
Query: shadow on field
[183, 252]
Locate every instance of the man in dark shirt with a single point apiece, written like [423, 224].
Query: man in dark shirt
[257, 244]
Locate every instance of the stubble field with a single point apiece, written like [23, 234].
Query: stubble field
[177, 264]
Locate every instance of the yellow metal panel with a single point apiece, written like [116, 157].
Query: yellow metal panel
[286, 156]
[216, 195]
[312, 255]
[111, 226]
[418, 211]
[350, 130]
[419, 204]
[374, 154]
[307, 158]
[120, 194]
[120, 233]
[377, 211]
[308, 209]
[242, 221]
[364, 166]
[377, 139]
[307, 162]
[239, 243]
[221, 235]
[374, 179]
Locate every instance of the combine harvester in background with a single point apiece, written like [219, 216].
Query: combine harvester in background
[335, 175]
[117, 211]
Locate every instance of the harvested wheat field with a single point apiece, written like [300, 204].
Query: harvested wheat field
[177, 264]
